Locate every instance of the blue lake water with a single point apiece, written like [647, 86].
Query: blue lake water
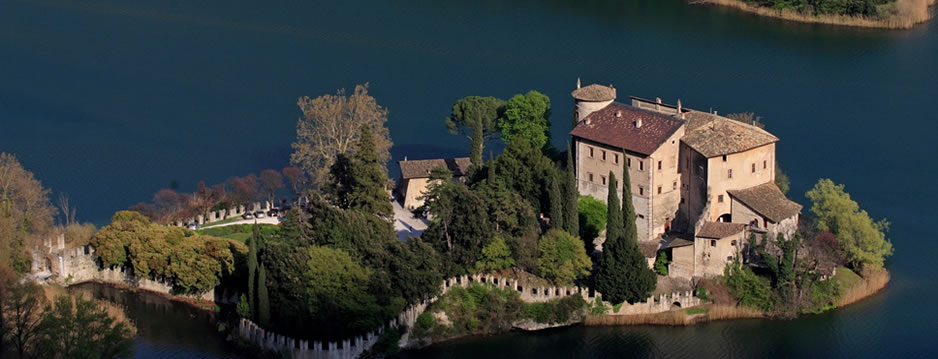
[109, 101]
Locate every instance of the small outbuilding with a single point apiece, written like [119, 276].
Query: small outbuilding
[765, 209]
[415, 177]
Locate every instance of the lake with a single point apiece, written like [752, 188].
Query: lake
[109, 101]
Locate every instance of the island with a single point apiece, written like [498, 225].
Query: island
[891, 14]
[653, 213]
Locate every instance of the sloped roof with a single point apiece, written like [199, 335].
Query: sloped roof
[615, 125]
[421, 168]
[594, 93]
[649, 249]
[714, 135]
[767, 200]
[717, 230]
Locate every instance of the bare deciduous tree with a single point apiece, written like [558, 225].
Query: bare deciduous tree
[330, 126]
[25, 210]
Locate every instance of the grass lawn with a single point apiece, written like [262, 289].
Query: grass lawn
[238, 232]
[698, 310]
[847, 278]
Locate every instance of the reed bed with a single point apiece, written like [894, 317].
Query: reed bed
[676, 317]
[907, 13]
[873, 282]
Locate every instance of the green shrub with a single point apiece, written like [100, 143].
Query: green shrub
[702, 294]
[692, 311]
[592, 219]
[661, 264]
[555, 310]
[748, 288]
[598, 307]
[824, 295]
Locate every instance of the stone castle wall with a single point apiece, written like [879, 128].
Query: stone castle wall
[355, 346]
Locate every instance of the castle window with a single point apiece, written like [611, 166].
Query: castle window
[724, 158]
[659, 165]
[604, 155]
[765, 164]
[682, 200]
[659, 189]
[641, 165]
[720, 198]
[628, 162]
[729, 173]
[591, 177]
[713, 242]
[641, 216]
[641, 191]
[603, 179]
[674, 185]
[591, 152]
[753, 168]
[616, 158]
[733, 243]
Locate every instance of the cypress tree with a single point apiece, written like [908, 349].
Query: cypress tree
[556, 202]
[252, 268]
[639, 279]
[475, 154]
[368, 178]
[611, 265]
[571, 220]
[491, 174]
[263, 303]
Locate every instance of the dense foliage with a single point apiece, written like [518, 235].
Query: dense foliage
[623, 274]
[862, 240]
[870, 8]
[25, 212]
[592, 215]
[189, 262]
[527, 118]
[562, 257]
[476, 118]
[749, 289]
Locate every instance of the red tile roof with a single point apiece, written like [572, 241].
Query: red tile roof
[421, 168]
[767, 200]
[717, 230]
[615, 125]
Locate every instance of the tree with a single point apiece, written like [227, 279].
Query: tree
[556, 203]
[263, 298]
[562, 257]
[369, 178]
[781, 179]
[571, 218]
[592, 217]
[495, 256]
[244, 189]
[527, 117]
[748, 288]
[21, 306]
[252, 269]
[79, 328]
[25, 212]
[661, 264]
[476, 118]
[331, 126]
[271, 182]
[863, 241]
[623, 273]
[296, 178]
[523, 169]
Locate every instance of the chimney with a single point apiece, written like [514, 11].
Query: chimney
[618, 114]
[657, 104]
[578, 82]
[638, 123]
[405, 158]
[679, 106]
[587, 120]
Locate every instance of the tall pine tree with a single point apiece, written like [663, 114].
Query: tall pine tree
[556, 202]
[571, 219]
[640, 280]
[475, 154]
[361, 180]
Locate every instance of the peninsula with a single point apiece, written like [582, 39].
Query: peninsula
[890, 14]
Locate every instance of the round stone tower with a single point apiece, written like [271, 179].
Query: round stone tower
[589, 99]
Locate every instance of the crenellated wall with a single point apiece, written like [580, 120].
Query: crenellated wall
[355, 346]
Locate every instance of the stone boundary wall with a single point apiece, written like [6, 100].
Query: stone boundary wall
[79, 265]
[223, 214]
[355, 346]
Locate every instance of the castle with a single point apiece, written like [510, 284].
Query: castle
[700, 183]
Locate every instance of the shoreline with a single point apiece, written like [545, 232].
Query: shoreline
[192, 302]
[908, 19]
[874, 283]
